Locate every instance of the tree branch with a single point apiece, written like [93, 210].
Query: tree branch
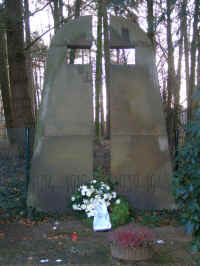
[51, 28]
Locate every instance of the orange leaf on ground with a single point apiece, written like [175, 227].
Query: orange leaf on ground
[2, 235]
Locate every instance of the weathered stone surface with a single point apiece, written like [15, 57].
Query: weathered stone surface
[135, 102]
[69, 109]
[140, 164]
[63, 157]
[125, 34]
[140, 160]
[139, 155]
[66, 155]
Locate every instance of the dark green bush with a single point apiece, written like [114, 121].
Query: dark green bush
[186, 181]
[12, 200]
[13, 203]
[120, 213]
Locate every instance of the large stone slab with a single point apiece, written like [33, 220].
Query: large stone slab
[69, 110]
[140, 159]
[135, 102]
[63, 157]
[140, 165]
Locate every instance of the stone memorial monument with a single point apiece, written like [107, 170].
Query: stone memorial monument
[63, 157]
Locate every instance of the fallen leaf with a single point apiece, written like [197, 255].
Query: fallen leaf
[2, 235]
[27, 238]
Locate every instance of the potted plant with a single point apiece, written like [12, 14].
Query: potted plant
[131, 243]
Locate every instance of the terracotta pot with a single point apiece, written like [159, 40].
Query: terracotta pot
[131, 253]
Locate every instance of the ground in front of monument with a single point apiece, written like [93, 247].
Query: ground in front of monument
[51, 243]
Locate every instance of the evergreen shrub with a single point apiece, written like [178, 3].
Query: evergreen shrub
[186, 181]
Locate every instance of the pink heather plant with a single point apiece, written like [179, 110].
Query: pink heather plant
[131, 236]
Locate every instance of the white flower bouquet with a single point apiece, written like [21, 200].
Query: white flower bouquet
[83, 200]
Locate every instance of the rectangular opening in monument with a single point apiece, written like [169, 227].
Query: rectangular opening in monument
[122, 56]
[78, 56]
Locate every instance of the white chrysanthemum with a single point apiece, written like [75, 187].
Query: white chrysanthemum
[83, 206]
[90, 214]
[94, 181]
[106, 196]
[100, 192]
[85, 201]
[76, 207]
[91, 200]
[110, 196]
[73, 198]
[114, 194]
[89, 207]
[107, 187]
[84, 190]
[83, 187]
[117, 201]
[97, 196]
[89, 192]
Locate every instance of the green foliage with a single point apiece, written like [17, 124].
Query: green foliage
[99, 174]
[120, 213]
[148, 219]
[12, 200]
[186, 181]
[155, 218]
[13, 203]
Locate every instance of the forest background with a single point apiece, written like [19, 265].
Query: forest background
[173, 27]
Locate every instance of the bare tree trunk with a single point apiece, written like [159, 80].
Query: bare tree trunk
[57, 12]
[186, 46]
[198, 64]
[180, 58]
[5, 82]
[170, 59]
[171, 82]
[76, 15]
[193, 60]
[98, 79]
[23, 115]
[102, 114]
[107, 67]
[31, 90]
[197, 100]
[61, 11]
[177, 98]
[150, 21]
